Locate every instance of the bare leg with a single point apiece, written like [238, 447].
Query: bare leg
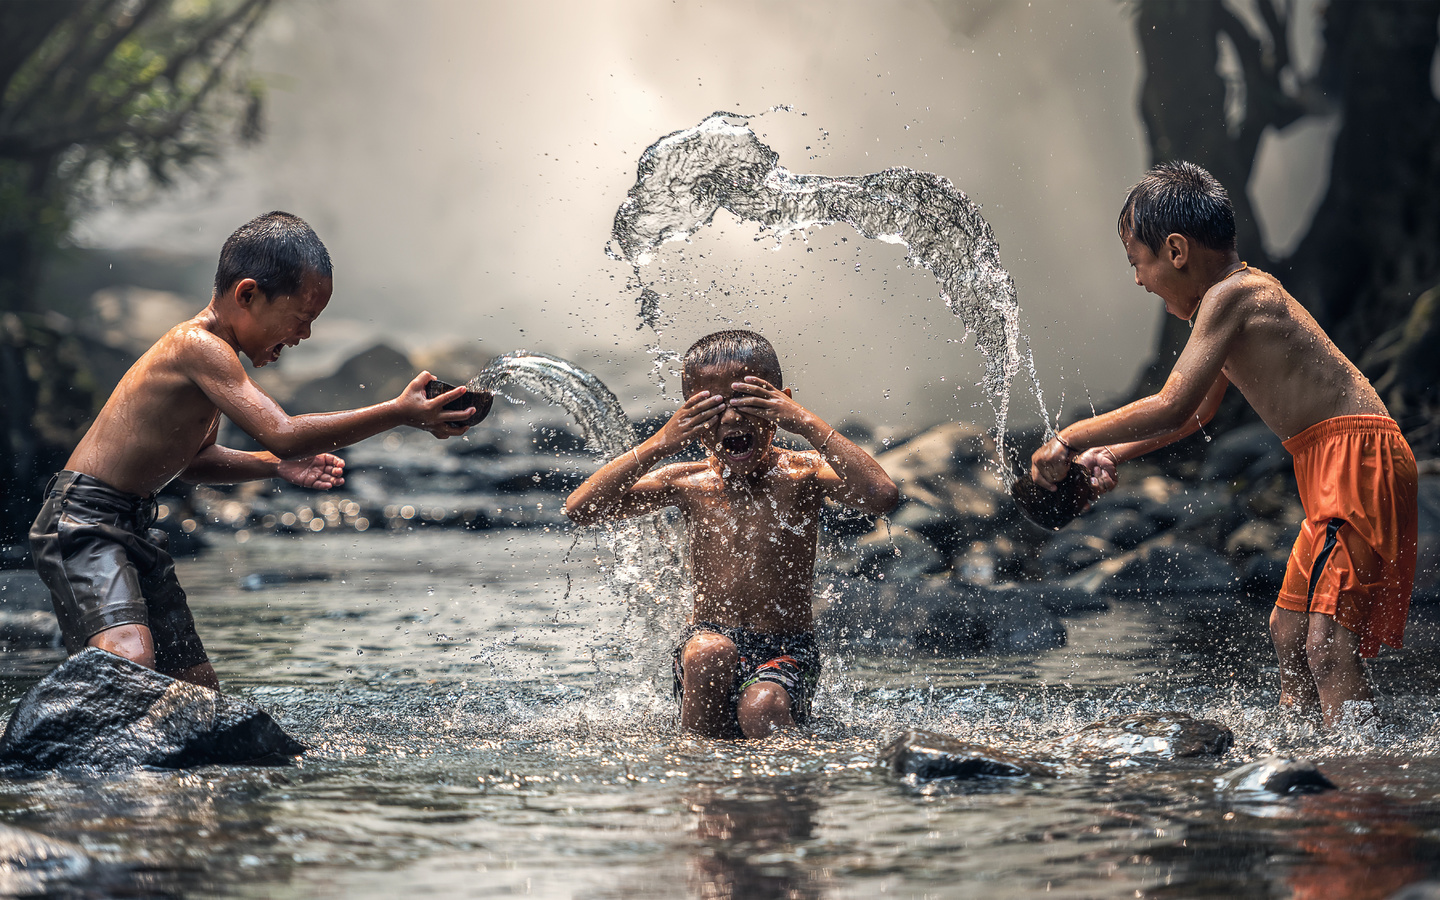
[1289, 630]
[764, 710]
[135, 643]
[710, 663]
[1333, 652]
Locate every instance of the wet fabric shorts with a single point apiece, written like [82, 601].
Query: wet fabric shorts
[791, 661]
[105, 566]
[1355, 556]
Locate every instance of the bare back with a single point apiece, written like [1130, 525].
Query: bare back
[752, 540]
[156, 420]
[1272, 349]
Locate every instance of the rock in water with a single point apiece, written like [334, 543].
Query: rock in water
[927, 756]
[1275, 775]
[1162, 735]
[31, 864]
[101, 711]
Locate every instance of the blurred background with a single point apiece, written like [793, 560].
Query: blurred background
[463, 162]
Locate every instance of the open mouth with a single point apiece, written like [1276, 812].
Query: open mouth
[738, 445]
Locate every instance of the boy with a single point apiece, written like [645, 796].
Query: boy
[112, 586]
[748, 662]
[1347, 586]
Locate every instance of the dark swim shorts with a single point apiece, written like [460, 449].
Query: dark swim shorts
[789, 660]
[105, 566]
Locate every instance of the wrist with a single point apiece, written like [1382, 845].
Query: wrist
[1070, 448]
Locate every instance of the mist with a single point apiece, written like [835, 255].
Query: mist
[463, 163]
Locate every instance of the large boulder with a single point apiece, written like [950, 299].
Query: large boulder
[1164, 566]
[928, 756]
[1071, 551]
[101, 711]
[1247, 453]
[1156, 735]
[1276, 775]
[893, 553]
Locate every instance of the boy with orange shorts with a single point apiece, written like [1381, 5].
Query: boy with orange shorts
[1347, 586]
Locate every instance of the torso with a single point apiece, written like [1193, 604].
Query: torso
[752, 542]
[154, 423]
[1283, 362]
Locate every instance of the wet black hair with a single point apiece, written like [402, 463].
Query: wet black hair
[730, 347]
[276, 250]
[1178, 198]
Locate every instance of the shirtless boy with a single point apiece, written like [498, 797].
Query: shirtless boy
[1347, 586]
[748, 663]
[111, 584]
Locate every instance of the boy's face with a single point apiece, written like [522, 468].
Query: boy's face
[1159, 275]
[738, 440]
[269, 325]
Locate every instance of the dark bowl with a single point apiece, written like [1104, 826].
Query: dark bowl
[481, 400]
[1054, 509]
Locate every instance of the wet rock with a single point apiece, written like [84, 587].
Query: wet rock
[1160, 735]
[1275, 775]
[1249, 452]
[374, 375]
[32, 630]
[29, 862]
[1164, 566]
[1124, 528]
[21, 590]
[100, 711]
[1258, 536]
[1071, 551]
[894, 553]
[938, 615]
[259, 581]
[927, 756]
[1263, 575]
[942, 469]
[1058, 598]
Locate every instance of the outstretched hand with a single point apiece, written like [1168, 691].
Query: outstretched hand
[320, 472]
[757, 397]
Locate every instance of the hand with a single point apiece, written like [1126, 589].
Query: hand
[699, 412]
[1050, 464]
[321, 472]
[759, 398]
[1100, 462]
[430, 414]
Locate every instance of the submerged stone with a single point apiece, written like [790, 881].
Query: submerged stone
[1161, 735]
[927, 756]
[101, 711]
[29, 862]
[1275, 775]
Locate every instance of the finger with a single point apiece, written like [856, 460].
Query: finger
[757, 380]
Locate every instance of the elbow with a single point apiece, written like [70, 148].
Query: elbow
[576, 511]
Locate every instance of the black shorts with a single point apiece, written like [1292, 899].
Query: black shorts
[105, 566]
[790, 660]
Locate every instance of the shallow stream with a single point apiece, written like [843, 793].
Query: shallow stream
[488, 720]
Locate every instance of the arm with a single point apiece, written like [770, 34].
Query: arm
[622, 488]
[215, 464]
[215, 368]
[1196, 385]
[849, 475]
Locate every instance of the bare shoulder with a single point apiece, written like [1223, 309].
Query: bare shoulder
[695, 475]
[191, 341]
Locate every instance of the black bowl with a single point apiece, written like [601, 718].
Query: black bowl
[1054, 509]
[481, 400]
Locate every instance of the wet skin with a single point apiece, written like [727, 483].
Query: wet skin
[162, 420]
[1250, 332]
[752, 513]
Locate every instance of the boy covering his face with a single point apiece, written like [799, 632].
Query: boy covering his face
[748, 663]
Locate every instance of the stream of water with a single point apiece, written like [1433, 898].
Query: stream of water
[487, 720]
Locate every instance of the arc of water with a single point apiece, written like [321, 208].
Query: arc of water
[647, 549]
[686, 177]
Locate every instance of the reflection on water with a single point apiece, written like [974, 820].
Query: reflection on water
[480, 732]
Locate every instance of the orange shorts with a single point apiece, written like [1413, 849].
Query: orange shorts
[1355, 556]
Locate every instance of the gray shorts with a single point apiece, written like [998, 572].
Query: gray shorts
[105, 566]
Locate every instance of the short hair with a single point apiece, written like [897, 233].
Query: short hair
[729, 347]
[1178, 198]
[277, 250]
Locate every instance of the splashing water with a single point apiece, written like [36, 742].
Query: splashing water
[648, 560]
[686, 177]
